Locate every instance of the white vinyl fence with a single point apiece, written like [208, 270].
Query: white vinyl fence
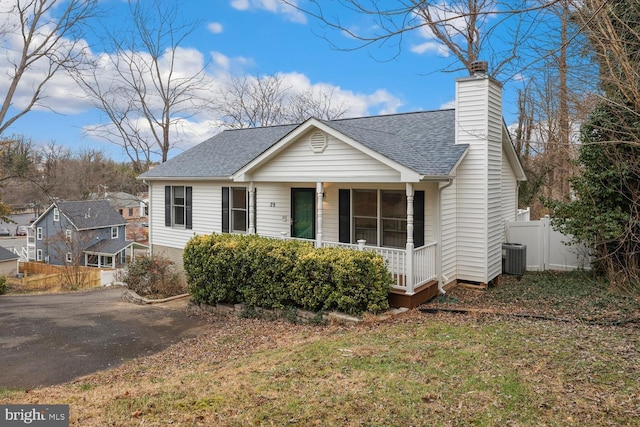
[547, 249]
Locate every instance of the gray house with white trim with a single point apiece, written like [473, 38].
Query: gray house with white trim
[430, 191]
[88, 232]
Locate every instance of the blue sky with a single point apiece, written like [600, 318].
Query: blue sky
[249, 37]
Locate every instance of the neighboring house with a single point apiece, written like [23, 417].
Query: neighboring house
[89, 233]
[8, 262]
[430, 191]
[129, 206]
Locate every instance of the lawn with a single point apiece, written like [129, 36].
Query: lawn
[569, 357]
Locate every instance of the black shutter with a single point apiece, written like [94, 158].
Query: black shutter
[167, 205]
[255, 209]
[344, 216]
[188, 220]
[418, 219]
[225, 209]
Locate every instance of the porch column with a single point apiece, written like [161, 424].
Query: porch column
[320, 199]
[409, 249]
[252, 208]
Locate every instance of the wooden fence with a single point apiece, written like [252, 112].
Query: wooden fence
[46, 277]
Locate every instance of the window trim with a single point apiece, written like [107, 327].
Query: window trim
[346, 224]
[56, 214]
[69, 257]
[39, 255]
[228, 210]
[39, 233]
[68, 234]
[169, 207]
[114, 232]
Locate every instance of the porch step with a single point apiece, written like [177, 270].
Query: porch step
[424, 293]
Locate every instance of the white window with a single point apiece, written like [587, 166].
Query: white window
[67, 234]
[380, 217]
[39, 255]
[234, 210]
[114, 232]
[56, 214]
[69, 258]
[238, 210]
[178, 204]
[39, 233]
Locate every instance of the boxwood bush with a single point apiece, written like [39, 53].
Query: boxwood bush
[272, 273]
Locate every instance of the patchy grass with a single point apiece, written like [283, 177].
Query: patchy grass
[576, 296]
[413, 369]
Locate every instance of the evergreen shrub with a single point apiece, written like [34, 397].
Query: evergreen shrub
[272, 273]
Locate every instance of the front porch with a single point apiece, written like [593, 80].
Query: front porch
[414, 271]
[383, 218]
[410, 269]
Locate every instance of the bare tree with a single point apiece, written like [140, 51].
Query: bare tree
[141, 87]
[42, 38]
[464, 28]
[252, 101]
[553, 104]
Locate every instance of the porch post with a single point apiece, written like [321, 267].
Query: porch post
[252, 208]
[409, 250]
[320, 199]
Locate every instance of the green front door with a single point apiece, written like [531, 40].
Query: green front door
[303, 213]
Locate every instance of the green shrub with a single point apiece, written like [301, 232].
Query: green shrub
[342, 279]
[154, 276]
[271, 273]
[3, 285]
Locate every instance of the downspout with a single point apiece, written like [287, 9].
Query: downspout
[149, 223]
[441, 277]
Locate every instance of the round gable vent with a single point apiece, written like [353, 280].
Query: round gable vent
[318, 141]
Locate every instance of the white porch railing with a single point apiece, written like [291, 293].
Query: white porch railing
[424, 263]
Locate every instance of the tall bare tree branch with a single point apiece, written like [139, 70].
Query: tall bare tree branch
[43, 39]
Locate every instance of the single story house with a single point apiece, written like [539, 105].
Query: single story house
[8, 262]
[87, 232]
[430, 191]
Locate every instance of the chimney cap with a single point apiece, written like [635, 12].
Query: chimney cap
[479, 67]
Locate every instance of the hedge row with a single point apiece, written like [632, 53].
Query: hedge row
[271, 273]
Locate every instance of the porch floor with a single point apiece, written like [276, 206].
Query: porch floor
[398, 298]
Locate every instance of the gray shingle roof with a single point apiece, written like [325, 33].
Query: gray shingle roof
[7, 255]
[422, 141]
[109, 246]
[91, 214]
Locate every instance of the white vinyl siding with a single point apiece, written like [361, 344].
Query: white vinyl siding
[338, 163]
[206, 213]
[479, 191]
[509, 192]
[273, 207]
[449, 232]
[494, 195]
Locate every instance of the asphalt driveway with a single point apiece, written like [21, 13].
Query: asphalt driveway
[51, 339]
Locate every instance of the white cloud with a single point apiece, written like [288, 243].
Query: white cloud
[240, 4]
[215, 27]
[60, 94]
[448, 105]
[273, 6]
[431, 46]
[356, 104]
